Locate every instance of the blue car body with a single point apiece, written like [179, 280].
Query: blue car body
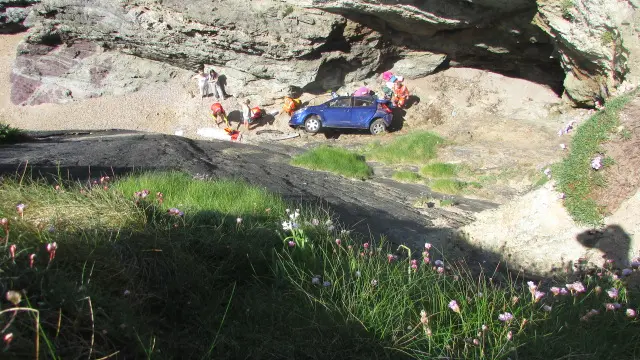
[353, 112]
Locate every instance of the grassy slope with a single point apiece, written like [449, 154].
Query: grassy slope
[146, 284]
[574, 174]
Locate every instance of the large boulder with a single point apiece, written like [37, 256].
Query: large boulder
[594, 38]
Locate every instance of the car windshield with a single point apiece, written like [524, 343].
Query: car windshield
[340, 102]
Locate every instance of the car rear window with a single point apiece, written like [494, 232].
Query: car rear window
[340, 102]
[362, 102]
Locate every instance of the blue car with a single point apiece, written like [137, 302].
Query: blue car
[352, 112]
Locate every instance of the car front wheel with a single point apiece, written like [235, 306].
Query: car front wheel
[378, 127]
[313, 124]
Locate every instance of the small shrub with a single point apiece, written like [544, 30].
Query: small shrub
[336, 160]
[9, 134]
[566, 7]
[288, 10]
[608, 37]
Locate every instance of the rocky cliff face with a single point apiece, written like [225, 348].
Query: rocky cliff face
[268, 48]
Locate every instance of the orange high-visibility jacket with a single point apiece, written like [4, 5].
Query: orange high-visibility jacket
[217, 109]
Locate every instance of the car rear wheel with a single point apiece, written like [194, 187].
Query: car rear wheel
[378, 127]
[313, 124]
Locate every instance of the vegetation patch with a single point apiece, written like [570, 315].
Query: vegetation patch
[165, 266]
[574, 175]
[414, 148]
[9, 134]
[439, 170]
[335, 160]
[407, 177]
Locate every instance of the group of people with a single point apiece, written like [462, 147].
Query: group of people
[210, 82]
[393, 88]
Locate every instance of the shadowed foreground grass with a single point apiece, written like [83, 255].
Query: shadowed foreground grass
[163, 266]
[336, 160]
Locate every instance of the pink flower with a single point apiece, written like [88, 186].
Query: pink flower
[476, 342]
[366, 245]
[612, 306]
[51, 249]
[509, 335]
[427, 246]
[631, 313]
[425, 260]
[453, 305]
[292, 243]
[576, 286]
[440, 270]
[177, 212]
[613, 293]
[338, 242]
[32, 259]
[538, 295]
[414, 267]
[532, 287]
[350, 247]
[390, 258]
[12, 251]
[20, 209]
[505, 317]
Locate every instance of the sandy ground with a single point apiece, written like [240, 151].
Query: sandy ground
[162, 107]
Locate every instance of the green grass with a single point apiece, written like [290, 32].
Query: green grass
[574, 175]
[335, 160]
[414, 148]
[439, 170]
[407, 177]
[10, 134]
[128, 280]
[448, 186]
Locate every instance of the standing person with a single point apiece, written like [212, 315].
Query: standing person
[218, 114]
[246, 114]
[203, 83]
[290, 105]
[216, 87]
[400, 92]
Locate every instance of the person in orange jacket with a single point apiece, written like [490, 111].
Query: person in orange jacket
[400, 92]
[290, 105]
[218, 113]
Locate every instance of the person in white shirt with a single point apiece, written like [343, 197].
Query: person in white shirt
[203, 83]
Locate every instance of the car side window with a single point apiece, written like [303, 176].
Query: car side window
[340, 102]
[360, 102]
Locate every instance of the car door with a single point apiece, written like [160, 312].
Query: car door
[362, 111]
[337, 112]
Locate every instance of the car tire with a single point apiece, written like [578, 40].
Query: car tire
[313, 124]
[378, 127]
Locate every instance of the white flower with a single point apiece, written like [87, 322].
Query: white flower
[315, 222]
[596, 163]
[330, 227]
[315, 280]
[239, 220]
[438, 263]
[326, 284]
[547, 308]
[127, 293]
[286, 225]
[374, 282]
[563, 146]
[358, 274]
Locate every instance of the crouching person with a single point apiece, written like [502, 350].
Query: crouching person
[219, 115]
[400, 93]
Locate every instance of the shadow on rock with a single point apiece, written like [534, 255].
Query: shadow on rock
[613, 241]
